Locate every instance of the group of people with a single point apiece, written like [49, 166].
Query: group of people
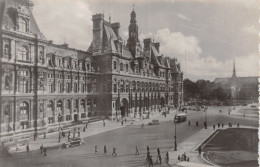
[43, 150]
[158, 159]
[183, 157]
[105, 150]
[214, 126]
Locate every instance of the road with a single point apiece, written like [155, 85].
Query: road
[125, 139]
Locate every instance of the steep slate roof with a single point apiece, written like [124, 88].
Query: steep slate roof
[111, 37]
[154, 56]
[10, 9]
[241, 80]
[126, 52]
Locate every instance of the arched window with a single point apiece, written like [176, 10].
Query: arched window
[59, 105]
[6, 49]
[114, 65]
[24, 108]
[126, 67]
[23, 53]
[23, 25]
[68, 104]
[50, 106]
[82, 103]
[121, 67]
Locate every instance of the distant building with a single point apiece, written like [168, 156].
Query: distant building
[41, 80]
[240, 88]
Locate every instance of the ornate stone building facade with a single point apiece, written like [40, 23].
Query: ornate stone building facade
[41, 80]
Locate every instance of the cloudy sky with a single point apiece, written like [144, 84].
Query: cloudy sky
[205, 35]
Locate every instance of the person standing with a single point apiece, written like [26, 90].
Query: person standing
[87, 125]
[179, 158]
[104, 124]
[167, 157]
[122, 122]
[199, 150]
[27, 148]
[114, 151]
[44, 135]
[218, 125]
[41, 148]
[222, 125]
[213, 127]
[96, 149]
[184, 157]
[84, 129]
[105, 149]
[197, 123]
[136, 150]
[238, 125]
[160, 158]
[189, 122]
[148, 149]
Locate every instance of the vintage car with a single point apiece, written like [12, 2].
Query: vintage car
[73, 142]
[154, 122]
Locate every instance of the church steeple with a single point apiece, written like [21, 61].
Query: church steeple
[234, 70]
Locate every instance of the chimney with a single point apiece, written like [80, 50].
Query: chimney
[147, 43]
[116, 27]
[157, 46]
[98, 20]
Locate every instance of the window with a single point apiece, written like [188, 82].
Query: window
[126, 67]
[23, 25]
[115, 88]
[68, 106]
[67, 87]
[59, 87]
[75, 87]
[23, 54]
[23, 73]
[82, 103]
[24, 108]
[121, 67]
[6, 49]
[82, 88]
[24, 86]
[87, 67]
[50, 106]
[114, 65]
[76, 105]
[59, 105]
[41, 56]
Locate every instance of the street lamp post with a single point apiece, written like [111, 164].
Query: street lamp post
[59, 119]
[175, 137]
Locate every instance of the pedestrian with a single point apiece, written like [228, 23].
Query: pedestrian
[44, 135]
[184, 156]
[69, 136]
[114, 151]
[167, 157]
[148, 149]
[104, 124]
[41, 148]
[78, 133]
[222, 125]
[96, 149]
[125, 120]
[122, 122]
[136, 150]
[27, 148]
[45, 151]
[148, 155]
[188, 159]
[132, 123]
[158, 151]
[189, 122]
[197, 123]
[238, 125]
[87, 125]
[150, 160]
[199, 150]
[105, 149]
[218, 125]
[179, 158]
[213, 127]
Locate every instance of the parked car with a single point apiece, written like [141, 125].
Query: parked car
[154, 122]
[73, 142]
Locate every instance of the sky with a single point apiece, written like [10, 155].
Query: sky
[206, 36]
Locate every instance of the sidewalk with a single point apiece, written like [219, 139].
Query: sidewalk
[94, 128]
[237, 108]
[189, 146]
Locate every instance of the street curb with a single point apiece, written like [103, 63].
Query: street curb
[207, 160]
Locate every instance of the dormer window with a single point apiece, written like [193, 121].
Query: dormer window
[23, 25]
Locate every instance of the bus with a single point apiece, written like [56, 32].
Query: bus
[180, 117]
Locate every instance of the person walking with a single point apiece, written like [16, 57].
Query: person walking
[136, 150]
[96, 149]
[158, 151]
[105, 149]
[44, 135]
[84, 129]
[188, 159]
[104, 124]
[199, 150]
[27, 148]
[184, 156]
[218, 125]
[238, 125]
[87, 125]
[125, 120]
[213, 127]
[150, 160]
[179, 158]
[114, 152]
[197, 123]
[189, 122]
[45, 151]
[222, 125]
[160, 158]
[41, 148]
[122, 122]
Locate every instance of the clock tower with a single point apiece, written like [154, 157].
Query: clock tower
[133, 42]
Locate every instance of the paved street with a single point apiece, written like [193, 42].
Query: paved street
[125, 139]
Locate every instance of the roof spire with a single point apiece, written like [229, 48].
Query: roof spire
[133, 5]
[234, 70]
[109, 18]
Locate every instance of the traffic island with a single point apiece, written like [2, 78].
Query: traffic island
[234, 147]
